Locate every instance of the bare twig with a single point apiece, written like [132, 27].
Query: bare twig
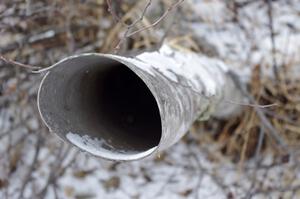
[18, 64]
[128, 34]
[31, 168]
[272, 36]
[70, 36]
[251, 105]
[57, 170]
[112, 10]
[203, 171]
[165, 14]
[260, 142]
[129, 27]
[267, 124]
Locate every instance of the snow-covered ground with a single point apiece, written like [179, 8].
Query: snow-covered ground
[189, 169]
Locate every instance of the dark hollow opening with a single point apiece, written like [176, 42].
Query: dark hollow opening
[119, 108]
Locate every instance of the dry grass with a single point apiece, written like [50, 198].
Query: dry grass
[245, 136]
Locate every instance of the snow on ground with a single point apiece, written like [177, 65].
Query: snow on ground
[186, 170]
[247, 42]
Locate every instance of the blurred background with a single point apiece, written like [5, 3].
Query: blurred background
[253, 155]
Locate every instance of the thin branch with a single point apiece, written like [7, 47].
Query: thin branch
[31, 168]
[166, 13]
[129, 27]
[128, 34]
[251, 105]
[57, 170]
[112, 11]
[267, 124]
[272, 36]
[260, 142]
[18, 64]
